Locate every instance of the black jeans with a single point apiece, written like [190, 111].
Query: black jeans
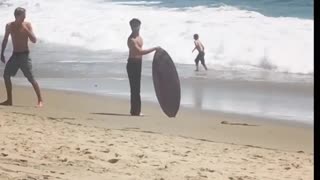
[200, 57]
[134, 74]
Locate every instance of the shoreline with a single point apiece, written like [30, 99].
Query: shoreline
[261, 101]
[148, 101]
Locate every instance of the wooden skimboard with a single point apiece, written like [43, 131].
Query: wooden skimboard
[166, 83]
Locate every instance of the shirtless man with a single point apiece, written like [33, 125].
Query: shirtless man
[199, 46]
[20, 32]
[136, 52]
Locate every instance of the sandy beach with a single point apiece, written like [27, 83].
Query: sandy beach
[81, 136]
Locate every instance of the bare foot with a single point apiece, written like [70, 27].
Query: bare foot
[40, 104]
[6, 103]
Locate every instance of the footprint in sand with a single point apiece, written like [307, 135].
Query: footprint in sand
[237, 124]
[173, 162]
[91, 141]
[23, 160]
[64, 160]
[105, 151]
[240, 178]
[54, 119]
[140, 155]
[202, 175]
[257, 156]
[113, 161]
[93, 157]
[63, 148]
[207, 170]
[86, 151]
[116, 154]
[296, 165]
[163, 168]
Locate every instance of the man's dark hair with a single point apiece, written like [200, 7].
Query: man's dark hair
[135, 22]
[196, 36]
[19, 11]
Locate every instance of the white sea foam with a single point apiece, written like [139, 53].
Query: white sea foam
[232, 37]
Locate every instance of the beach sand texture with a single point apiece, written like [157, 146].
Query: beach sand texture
[86, 137]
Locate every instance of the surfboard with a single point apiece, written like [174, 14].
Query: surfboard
[166, 83]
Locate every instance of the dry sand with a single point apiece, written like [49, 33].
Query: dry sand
[87, 137]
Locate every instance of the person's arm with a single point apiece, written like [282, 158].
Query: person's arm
[28, 28]
[141, 51]
[195, 44]
[5, 42]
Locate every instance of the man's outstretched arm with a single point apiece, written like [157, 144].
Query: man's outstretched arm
[5, 42]
[141, 51]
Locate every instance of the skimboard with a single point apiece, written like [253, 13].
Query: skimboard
[166, 83]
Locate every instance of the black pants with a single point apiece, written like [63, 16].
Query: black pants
[134, 74]
[200, 57]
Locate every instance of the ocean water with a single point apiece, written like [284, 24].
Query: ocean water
[266, 34]
[260, 53]
[275, 8]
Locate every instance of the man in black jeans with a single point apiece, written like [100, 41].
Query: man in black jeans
[199, 46]
[136, 52]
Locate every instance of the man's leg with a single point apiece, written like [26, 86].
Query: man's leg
[10, 70]
[203, 61]
[136, 89]
[134, 74]
[197, 63]
[204, 65]
[26, 68]
[130, 76]
[8, 84]
[36, 88]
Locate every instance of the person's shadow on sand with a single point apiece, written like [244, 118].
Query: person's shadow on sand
[111, 114]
